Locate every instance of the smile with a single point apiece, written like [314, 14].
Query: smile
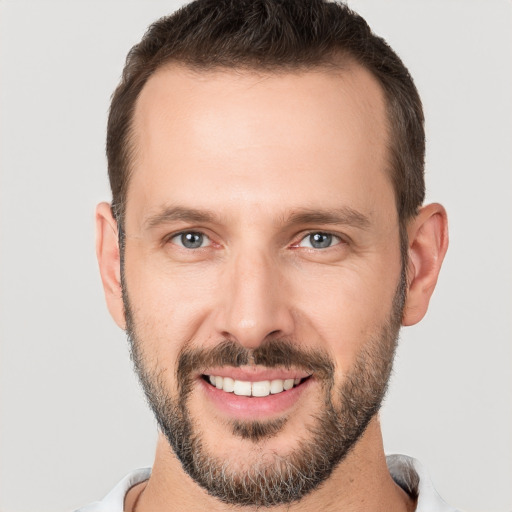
[255, 389]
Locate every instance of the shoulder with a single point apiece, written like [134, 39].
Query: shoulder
[114, 500]
[413, 478]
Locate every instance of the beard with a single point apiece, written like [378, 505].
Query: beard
[272, 479]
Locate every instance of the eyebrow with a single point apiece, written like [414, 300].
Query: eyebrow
[170, 214]
[344, 215]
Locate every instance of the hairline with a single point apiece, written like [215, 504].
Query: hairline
[338, 61]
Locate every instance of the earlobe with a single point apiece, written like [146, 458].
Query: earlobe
[109, 261]
[428, 242]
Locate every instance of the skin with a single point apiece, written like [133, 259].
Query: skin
[254, 150]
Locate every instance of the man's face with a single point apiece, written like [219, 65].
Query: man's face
[262, 252]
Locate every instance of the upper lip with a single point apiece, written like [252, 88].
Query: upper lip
[255, 373]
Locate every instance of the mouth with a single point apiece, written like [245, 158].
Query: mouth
[254, 393]
[259, 389]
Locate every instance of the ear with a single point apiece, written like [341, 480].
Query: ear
[428, 242]
[108, 254]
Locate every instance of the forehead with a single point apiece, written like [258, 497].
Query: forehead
[212, 138]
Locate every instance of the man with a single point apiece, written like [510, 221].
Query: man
[265, 242]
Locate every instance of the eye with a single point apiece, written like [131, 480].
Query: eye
[191, 240]
[319, 240]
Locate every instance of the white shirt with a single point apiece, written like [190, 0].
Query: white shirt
[407, 472]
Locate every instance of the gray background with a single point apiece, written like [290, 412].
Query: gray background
[73, 420]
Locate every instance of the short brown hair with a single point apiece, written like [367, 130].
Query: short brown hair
[273, 35]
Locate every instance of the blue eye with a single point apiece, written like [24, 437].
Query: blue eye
[191, 240]
[319, 240]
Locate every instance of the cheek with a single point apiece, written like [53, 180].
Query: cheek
[336, 307]
[346, 309]
[169, 305]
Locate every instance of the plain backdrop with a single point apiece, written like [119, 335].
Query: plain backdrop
[73, 420]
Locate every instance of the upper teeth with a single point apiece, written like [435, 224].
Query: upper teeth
[245, 388]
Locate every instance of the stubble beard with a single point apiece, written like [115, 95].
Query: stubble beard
[272, 479]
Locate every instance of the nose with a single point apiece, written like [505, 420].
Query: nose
[254, 301]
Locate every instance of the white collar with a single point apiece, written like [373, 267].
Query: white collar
[407, 472]
[413, 478]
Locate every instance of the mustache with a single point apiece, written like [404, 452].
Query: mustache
[273, 353]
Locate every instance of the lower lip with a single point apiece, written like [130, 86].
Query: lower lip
[247, 407]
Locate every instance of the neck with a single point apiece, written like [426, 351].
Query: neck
[360, 483]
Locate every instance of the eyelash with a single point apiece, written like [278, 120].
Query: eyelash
[190, 232]
[333, 237]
